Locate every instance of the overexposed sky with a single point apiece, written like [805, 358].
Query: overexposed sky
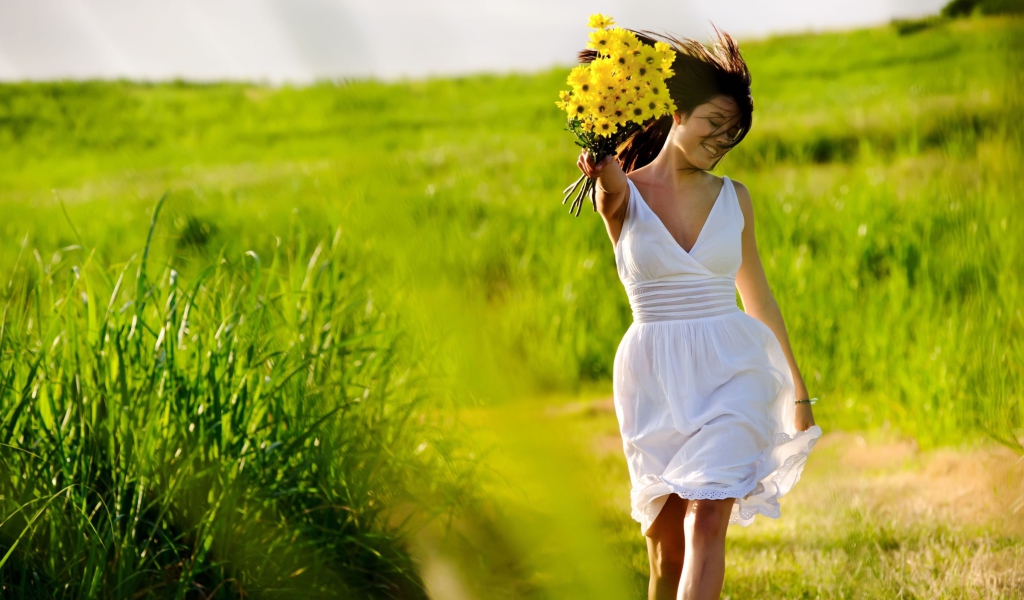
[303, 40]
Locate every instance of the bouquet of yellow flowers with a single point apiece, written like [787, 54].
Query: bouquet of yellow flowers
[613, 95]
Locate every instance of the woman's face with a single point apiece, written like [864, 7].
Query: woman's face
[703, 135]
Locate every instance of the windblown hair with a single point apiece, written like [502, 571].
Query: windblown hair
[700, 73]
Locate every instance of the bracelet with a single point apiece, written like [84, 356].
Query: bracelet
[808, 401]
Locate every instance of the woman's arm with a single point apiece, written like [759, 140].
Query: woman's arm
[611, 193]
[759, 302]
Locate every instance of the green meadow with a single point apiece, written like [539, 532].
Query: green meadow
[280, 342]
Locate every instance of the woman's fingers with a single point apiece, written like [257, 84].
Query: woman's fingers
[589, 167]
[586, 163]
[582, 164]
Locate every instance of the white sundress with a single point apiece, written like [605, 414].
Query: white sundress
[703, 393]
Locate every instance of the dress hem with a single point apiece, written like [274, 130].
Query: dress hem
[760, 497]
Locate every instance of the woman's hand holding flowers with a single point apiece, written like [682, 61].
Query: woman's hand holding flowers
[607, 174]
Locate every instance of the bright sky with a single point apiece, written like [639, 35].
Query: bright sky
[302, 40]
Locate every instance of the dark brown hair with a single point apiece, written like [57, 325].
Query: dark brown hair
[700, 73]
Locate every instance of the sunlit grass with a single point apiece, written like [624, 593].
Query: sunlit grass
[255, 429]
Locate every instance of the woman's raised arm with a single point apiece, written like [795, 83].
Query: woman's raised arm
[612, 190]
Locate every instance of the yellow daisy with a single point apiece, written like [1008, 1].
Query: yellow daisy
[655, 90]
[620, 113]
[649, 57]
[626, 93]
[627, 41]
[599, 21]
[650, 106]
[605, 127]
[603, 106]
[580, 80]
[624, 62]
[635, 112]
[576, 108]
[603, 71]
[600, 40]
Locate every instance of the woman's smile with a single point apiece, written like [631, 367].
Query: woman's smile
[712, 151]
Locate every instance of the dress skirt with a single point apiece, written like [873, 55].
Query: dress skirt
[706, 411]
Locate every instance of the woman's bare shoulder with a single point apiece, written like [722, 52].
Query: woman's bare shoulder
[743, 199]
[740, 188]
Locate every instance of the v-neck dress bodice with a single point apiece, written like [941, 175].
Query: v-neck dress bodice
[703, 392]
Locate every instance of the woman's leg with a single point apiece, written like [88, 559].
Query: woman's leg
[704, 570]
[665, 547]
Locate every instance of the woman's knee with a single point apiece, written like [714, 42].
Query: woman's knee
[707, 520]
[667, 559]
[666, 542]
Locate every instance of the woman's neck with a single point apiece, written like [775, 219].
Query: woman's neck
[671, 167]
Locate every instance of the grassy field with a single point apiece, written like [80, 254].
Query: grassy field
[874, 516]
[281, 348]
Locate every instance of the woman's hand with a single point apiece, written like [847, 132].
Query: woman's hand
[609, 176]
[804, 417]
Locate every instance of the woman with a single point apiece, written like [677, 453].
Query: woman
[714, 415]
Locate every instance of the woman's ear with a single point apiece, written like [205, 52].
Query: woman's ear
[678, 118]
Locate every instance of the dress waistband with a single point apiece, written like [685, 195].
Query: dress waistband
[666, 301]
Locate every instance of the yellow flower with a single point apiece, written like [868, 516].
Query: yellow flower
[576, 108]
[580, 80]
[650, 106]
[605, 127]
[625, 90]
[599, 21]
[564, 95]
[603, 72]
[602, 106]
[600, 40]
[588, 124]
[624, 62]
[663, 48]
[623, 41]
[656, 90]
[649, 57]
[620, 113]
[644, 72]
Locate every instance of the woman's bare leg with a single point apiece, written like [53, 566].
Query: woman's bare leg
[665, 548]
[705, 525]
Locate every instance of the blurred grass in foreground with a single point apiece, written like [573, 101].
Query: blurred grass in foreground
[885, 176]
[252, 431]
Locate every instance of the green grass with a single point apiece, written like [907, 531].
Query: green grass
[253, 431]
[885, 175]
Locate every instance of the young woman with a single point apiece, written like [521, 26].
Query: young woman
[715, 418]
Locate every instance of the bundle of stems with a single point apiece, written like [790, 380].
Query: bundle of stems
[600, 146]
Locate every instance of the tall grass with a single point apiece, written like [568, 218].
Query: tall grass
[251, 431]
